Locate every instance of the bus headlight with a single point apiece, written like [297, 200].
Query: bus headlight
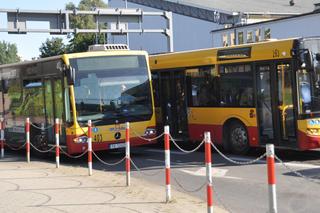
[149, 131]
[313, 131]
[81, 139]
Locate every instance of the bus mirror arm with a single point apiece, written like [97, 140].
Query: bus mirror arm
[70, 73]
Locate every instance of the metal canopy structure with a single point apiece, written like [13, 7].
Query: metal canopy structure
[111, 20]
[216, 16]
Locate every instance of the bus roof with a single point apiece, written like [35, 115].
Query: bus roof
[77, 55]
[258, 51]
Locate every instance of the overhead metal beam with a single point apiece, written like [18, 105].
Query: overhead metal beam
[110, 20]
[214, 15]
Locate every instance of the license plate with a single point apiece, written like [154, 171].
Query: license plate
[117, 145]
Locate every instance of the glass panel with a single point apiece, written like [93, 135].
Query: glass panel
[109, 93]
[236, 85]
[49, 102]
[203, 86]
[285, 100]
[58, 99]
[264, 102]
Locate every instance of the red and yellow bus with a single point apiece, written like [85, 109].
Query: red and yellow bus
[246, 95]
[109, 87]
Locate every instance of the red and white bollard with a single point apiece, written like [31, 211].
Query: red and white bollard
[207, 140]
[271, 179]
[2, 136]
[90, 147]
[28, 139]
[167, 162]
[128, 152]
[57, 127]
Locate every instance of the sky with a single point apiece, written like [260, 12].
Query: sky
[29, 44]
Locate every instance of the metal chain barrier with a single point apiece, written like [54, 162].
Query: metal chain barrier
[42, 151]
[183, 150]
[108, 164]
[143, 172]
[147, 139]
[72, 156]
[16, 149]
[188, 190]
[41, 128]
[296, 172]
[238, 162]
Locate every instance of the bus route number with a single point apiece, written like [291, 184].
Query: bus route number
[97, 138]
[276, 53]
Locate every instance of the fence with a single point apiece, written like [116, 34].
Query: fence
[208, 182]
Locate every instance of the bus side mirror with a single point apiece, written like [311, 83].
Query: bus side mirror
[4, 86]
[70, 73]
[307, 60]
[318, 56]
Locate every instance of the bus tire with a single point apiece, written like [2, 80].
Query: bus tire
[238, 138]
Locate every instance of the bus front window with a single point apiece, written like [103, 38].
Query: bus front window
[112, 89]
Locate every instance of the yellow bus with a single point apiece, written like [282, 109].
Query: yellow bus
[246, 95]
[109, 87]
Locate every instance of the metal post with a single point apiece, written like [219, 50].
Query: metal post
[28, 139]
[167, 162]
[2, 136]
[207, 139]
[57, 127]
[90, 147]
[271, 179]
[128, 152]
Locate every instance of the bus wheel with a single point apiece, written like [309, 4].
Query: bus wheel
[238, 138]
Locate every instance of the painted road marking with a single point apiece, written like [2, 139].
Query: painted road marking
[217, 173]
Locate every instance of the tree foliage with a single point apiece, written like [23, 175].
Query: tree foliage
[80, 42]
[52, 47]
[8, 53]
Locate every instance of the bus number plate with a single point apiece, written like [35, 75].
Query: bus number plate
[117, 145]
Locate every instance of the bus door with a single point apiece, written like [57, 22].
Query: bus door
[53, 103]
[173, 102]
[265, 104]
[285, 106]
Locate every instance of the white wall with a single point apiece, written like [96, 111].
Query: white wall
[304, 26]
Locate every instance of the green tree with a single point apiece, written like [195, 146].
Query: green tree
[80, 42]
[52, 47]
[8, 53]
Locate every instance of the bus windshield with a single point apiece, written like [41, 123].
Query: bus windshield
[309, 80]
[112, 89]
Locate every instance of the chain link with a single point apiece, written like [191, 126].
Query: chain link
[42, 151]
[71, 156]
[296, 172]
[183, 150]
[143, 172]
[187, 190]
[238, 162]
[16, 149]
[41, 128]
[108, 164]
[147, 139]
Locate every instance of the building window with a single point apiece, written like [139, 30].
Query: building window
[257, 35]
[240, 37]
[232, 39]
[267, 33]
[225, 40]
[249, 37]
